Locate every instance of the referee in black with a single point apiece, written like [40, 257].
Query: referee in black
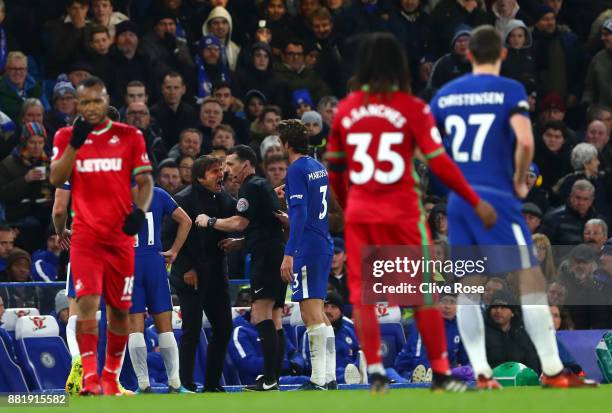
[255, 216]
[198, 277]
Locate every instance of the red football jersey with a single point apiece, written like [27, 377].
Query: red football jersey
[101, 179]
[375, 142]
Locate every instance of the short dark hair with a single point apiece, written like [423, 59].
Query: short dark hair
[69, 3]
[321, 13]
[219, 148]
[167, 163]
[5, 228]
[91, 81]
[486, 44]
[221, 85]
[191, 130]
[270, 109]
[273, 159]
[294, 41]
[172, 73]
[202, 165]
[244, 153]
[391, 69]
[556, 125]
[98, 28]
[135, 83]
[293, 133]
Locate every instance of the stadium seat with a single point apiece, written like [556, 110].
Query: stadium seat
[391, 332]
[11, 315]
[12, 379]
[43, 355]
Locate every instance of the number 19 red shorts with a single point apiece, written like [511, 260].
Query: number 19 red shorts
[102, 269]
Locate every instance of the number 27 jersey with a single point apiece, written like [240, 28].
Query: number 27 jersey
[376, 140]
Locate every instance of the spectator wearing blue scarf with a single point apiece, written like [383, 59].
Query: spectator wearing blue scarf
[210, 68]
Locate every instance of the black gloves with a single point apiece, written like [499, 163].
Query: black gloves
[133, 222]
[80, 131]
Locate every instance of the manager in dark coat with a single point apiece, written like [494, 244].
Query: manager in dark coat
[198, 277]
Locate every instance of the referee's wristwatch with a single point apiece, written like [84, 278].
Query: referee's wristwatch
[211, 222]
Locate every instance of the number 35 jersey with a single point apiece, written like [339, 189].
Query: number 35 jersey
[474, 113]
[375, 138]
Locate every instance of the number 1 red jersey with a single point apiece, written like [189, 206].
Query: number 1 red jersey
[101, 179]
[372, 145]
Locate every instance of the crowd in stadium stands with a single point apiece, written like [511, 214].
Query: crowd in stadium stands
[199, 76]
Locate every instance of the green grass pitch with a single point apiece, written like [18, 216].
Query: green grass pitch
[515, 400]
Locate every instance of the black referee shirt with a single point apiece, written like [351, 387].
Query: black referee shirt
[257, 202]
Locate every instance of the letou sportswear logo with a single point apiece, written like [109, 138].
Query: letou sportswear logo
[99, 165]
[242, 205]
[39, 323]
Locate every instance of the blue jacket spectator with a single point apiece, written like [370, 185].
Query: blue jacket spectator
[46, 262]
[246, 353]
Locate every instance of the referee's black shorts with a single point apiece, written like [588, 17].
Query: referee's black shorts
[266, 281]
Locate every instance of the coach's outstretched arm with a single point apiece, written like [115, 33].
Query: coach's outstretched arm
[523, 153]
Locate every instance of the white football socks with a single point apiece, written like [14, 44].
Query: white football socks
[138, 355]
[169, 352]
[330, 354]
[317, 337]
[471, 329]
[73, 345]
[541, 330]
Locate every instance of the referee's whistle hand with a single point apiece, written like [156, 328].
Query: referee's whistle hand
[283, 218]
[202, 220]
[286, 269]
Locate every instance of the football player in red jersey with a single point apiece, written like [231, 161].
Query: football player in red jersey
[101, 158]
[375, 134]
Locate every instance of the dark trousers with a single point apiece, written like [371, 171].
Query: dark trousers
[212, 297]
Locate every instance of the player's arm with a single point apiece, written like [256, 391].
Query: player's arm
[59, 216]
[61, 167]
[523, 152]
[184, 226]
[142, 197]
[335, 157]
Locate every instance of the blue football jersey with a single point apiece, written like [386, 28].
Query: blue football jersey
[474, 111]
[307, 184]
[149, 236]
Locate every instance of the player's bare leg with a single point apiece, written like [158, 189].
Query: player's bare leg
[471, 328]
[87, 338]
[262, 317]
[431, 327]
[116, 339]
[539, 326]
[314, 319]
[368, 334]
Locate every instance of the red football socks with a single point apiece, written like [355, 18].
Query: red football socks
[87, 337]
[368, 332]
[431, 327]
[115, 346]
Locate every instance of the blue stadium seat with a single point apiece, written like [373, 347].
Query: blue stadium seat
[42, 354]
[391, 332]
[12, 379]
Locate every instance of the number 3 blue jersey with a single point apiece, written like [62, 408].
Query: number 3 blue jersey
[474, 111]
[307, 184]
[149, 236]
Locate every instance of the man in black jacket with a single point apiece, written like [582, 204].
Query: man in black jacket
[197, 274]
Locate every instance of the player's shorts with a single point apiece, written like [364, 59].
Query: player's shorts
[151, 285]
[266, 281]
[361, 234]
[310, 277]
[507, 246]
[100, 269]
[69, 284]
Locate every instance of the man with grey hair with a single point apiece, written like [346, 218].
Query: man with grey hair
[326, 108]
[17, 85]
[565, 225]
[595, 233]
[585, 161]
